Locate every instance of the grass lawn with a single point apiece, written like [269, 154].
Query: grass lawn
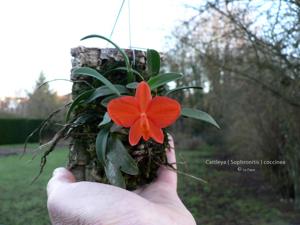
[21, 202]
[20, 146]
[224, 200]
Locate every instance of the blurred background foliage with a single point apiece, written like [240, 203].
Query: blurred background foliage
[246, 55]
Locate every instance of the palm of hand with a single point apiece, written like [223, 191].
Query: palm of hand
[89, 203]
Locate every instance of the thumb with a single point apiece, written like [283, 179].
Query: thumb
[60, 177]
[166, 174]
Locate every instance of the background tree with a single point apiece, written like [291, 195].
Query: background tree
[42, 101]
[246, 54]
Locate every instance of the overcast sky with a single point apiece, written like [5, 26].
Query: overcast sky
[37, 35]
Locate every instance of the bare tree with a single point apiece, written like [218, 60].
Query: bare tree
[247, 53]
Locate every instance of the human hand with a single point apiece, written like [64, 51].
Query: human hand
[90, 203]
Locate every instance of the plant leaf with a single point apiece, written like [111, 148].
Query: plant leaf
[126, 59]
[162, 79]
[106, 100]
[124, 69]
[104, 91]
[106, 119]
[132, 85]
[95, 74]
[101, 143]
[118, 155]
[199, 115]
[84, 118]
[114, 175]
[182, 88]
[153, 62]
[83, 96]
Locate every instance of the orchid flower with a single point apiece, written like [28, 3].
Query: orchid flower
[144, 115]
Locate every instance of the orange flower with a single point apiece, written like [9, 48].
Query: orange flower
[143, 114]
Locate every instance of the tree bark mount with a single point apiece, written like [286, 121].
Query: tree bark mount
[82, 151]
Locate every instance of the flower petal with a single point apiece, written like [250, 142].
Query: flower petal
[124, 111]
[143, 95]
[156, 132]
[163, 111]
[135, 133]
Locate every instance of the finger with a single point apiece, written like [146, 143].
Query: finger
[167, 174]
[60, 177]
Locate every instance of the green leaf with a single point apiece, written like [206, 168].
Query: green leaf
[83, 96]
[199, 115]
[106, 100]
[118, 155]
[182, 88]
[84, 118]
[132, 85]
[101, 143]
[126, 59]
[106, 119]
[124, 69]
[114, 175]
[153, 62]
[104, 91]
[95, 74]
[162, 79]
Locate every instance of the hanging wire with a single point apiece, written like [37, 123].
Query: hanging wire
[129, 24]
[117, 18]
[129, 34]
[129, 28]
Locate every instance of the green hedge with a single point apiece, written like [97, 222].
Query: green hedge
[15, 130]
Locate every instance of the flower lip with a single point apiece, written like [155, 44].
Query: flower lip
[144, 122]
[146, 116]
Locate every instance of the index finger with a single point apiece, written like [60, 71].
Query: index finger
[166, 174]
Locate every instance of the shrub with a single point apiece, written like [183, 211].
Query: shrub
[15, 130]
